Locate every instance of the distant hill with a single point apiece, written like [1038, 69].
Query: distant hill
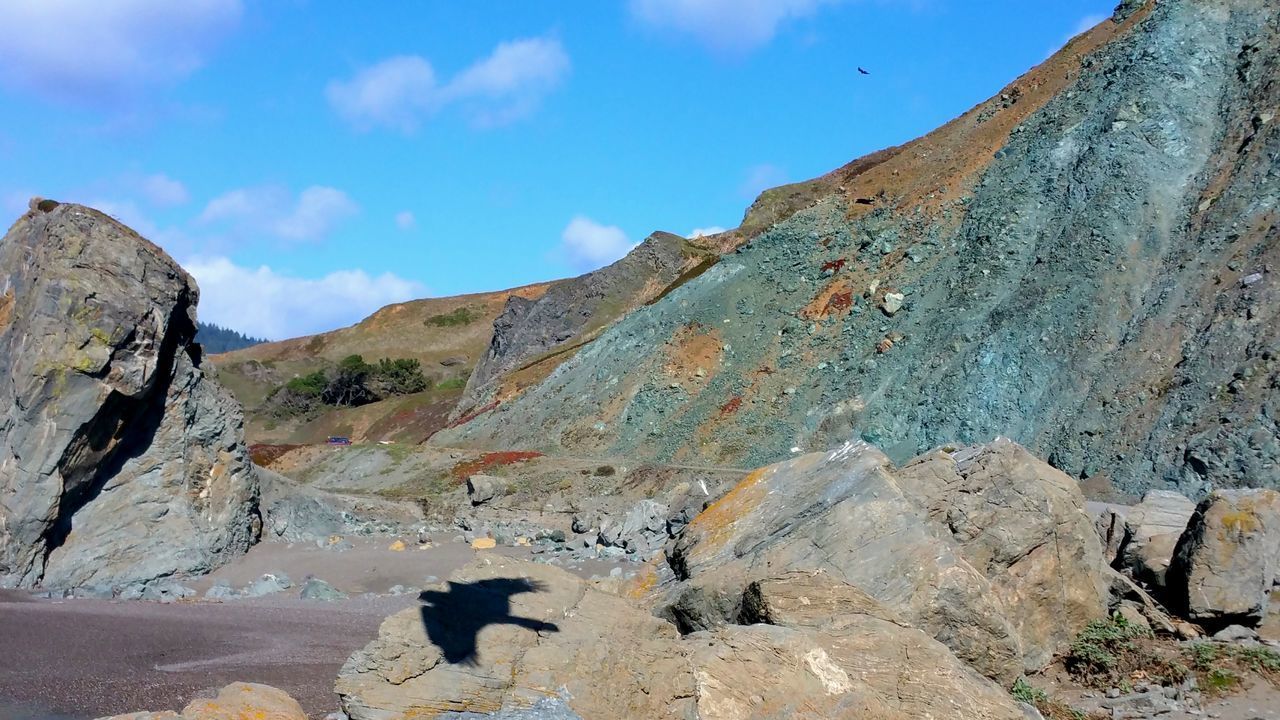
[217, 339]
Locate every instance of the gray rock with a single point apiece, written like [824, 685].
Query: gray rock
[583, 523]
[268, 584]
[1151, 531]
[167, 592]
[1235, 633]
[221, 591]
[1228, 559]
[108, 425]
[317, 589]
[483, 488]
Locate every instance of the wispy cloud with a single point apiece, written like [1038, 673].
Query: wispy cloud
[588, 245]
[761, 177]
[403, 91]
[703, 232]
[405, 220]
[724, 25]
[98, 52]
[272, 211]
[262, 302]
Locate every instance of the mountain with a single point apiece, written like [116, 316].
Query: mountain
[217, 339]
[1083, 263]
[446, 335]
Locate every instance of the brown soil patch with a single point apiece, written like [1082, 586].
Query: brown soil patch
[692, 349]
[834, 299]
[491, 460]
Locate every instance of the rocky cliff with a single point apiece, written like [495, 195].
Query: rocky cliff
[533, 335]
[120, 461]
[1084, 263]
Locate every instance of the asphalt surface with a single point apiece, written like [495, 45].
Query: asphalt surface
[82, 659]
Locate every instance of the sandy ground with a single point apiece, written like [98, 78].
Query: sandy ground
[78, 659]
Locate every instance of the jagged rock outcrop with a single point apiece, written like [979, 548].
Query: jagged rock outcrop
[1086, 264]
[571, 312]
[1228, 559]
[986, 549]
[120, 462]
[509, 634]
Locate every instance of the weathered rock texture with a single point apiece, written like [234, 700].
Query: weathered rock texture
[509, 634]
[533, 334]
[237, 701]
[1087, 263]
[120, 462]
[988, 550]
[1228, 558]
[1151, 532]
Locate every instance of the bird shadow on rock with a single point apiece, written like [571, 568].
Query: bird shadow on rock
[454, 617]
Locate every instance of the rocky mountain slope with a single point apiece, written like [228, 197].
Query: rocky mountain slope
[532, 336]
[120, 461]
[1084, 263]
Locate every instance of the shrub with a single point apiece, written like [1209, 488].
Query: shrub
[311, 385]
[1113, 651]
[461, 316]
[400, 377]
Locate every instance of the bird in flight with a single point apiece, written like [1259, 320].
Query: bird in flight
[863, 72]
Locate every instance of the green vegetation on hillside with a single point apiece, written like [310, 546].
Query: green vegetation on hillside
[351, 383]
[461, 316]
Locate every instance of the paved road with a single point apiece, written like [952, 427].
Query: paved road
[80, 659]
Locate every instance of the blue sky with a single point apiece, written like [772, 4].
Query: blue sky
[311, 160]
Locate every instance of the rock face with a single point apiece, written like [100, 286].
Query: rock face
[1228, 558]
[1151, 531]
[237, 701]
[988, 550]
[508, 635]
[1086, 263]
[120, 462]
[573, 311]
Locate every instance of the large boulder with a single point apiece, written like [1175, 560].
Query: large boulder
[987, 549]
[120, 461]
[1151, 532]
[237, 701]
[509, 634]
[1228, 559]
[1021, 523]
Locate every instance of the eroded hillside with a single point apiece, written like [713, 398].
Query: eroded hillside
[1083, 263]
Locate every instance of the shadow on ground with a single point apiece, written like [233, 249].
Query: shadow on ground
[454, 617]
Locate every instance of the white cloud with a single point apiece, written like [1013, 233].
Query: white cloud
[405, 220]
[270, 210]
[394, 93]
[760, 178]
[703, 232]
[91, 51]
[160, 189]
[264, 303]
[588, 245]
[402, 91]
[1085, 23]
[724, 25]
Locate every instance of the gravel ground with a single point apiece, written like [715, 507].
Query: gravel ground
[79, 659]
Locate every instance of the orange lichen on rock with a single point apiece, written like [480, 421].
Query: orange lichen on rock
[715, 524]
